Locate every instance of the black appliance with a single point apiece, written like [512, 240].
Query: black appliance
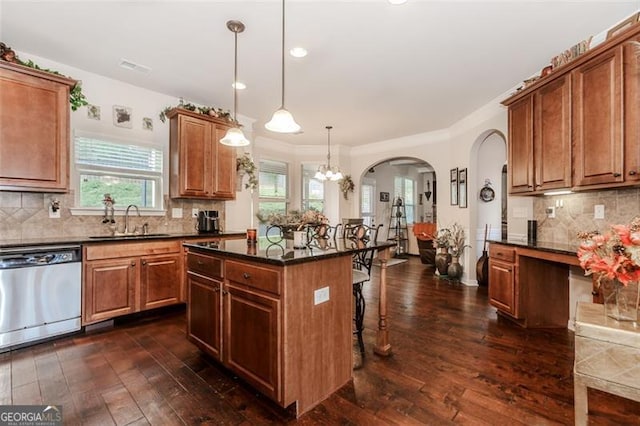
[208, 222]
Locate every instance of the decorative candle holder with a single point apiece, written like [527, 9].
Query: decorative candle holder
[252, 236]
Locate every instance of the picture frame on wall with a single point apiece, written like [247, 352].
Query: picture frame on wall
[384, 197]
[122, 116]
[454, 186]
[462, 188]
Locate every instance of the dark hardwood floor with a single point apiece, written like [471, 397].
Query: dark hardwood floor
[453, 361]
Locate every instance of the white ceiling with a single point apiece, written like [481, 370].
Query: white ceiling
[374, 71]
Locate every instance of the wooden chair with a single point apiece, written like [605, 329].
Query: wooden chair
[359, 235]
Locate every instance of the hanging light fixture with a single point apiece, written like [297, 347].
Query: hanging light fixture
[282, 120]
[234, 136]
[326, 172]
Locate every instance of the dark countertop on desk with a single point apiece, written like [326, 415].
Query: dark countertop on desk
[51, 241]
[552, 247]
[283, 253]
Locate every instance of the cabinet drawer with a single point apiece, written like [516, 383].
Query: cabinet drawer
[204, 265]
[127, 249]
[253, 276]
[506, 254]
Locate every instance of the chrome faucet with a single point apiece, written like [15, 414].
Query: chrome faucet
[126, 219]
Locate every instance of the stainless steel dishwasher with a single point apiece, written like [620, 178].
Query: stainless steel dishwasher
[40, 289]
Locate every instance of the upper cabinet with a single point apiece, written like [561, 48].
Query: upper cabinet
[200, 166]
[34, 129]
[579, 127]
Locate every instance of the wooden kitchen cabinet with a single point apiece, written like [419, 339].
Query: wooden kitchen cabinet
[200, 166]
[520, 169]
[34, 129]
[631, 82]
[123, 278]
[204, 315]
[503, 292]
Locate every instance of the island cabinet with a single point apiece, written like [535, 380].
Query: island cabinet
[34, 129]
[578, 128]
[199, 165]
[267, 324]
[503, 293]
[124, 278]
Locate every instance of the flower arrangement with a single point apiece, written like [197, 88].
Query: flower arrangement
[456, 240]
[294, 218]
[442, 238]
[204, 110]
[347, 186]
[614, 255]
[245, 165]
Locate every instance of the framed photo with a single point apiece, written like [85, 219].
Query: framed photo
[122, 116]
[384, 197]
[462, 189]
[623, 26]
[93, 112]
[147, 123]
[454, 186]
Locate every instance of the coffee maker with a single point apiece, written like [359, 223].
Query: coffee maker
[208, 222]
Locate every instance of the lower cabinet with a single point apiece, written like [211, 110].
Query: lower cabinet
[124, 278]
[503, 291]
[204, 317]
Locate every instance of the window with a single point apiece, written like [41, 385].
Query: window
[272, 189]
[367, 202]
[404, 188]
[131, 173]
[312, 189]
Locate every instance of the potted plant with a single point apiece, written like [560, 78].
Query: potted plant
[443, 257]
[457, 244]
[246, 166]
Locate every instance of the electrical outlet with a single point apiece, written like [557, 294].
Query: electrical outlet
[598, 211]
[194, 212]
[176, 213]
[54, 214]
[321, 295]
[551, 212]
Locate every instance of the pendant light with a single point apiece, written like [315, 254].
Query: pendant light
[282, 120]
[326, 172]
[235, 136]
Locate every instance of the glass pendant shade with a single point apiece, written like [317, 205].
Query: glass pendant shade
[282, 122]
[234, 137]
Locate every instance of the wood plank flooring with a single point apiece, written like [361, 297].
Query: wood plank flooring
[453, 361]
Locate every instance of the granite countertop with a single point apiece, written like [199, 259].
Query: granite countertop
[553, 247]
[283, 253]
[49, 241]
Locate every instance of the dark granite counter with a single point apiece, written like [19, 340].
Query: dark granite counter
[51, 241]
[283, 253]
[551, 247]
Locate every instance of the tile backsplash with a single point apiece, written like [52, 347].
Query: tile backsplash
[576, 213]
[25, 215]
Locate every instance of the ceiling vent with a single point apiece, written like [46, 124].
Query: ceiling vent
[132, 66]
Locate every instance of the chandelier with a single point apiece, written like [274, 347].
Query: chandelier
[326, 172]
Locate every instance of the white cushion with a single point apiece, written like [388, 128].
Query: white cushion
[359, 276]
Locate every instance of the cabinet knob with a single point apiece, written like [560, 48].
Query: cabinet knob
[616, 175]
[133, 264]
[595, 292]
[632, 173]
[246, 276]
[144, 262]
[225, 292]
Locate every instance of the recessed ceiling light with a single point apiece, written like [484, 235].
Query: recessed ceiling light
[132, 66]
[397, 1]
[239, 85]
[298, 52]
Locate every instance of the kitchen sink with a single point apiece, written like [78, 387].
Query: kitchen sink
[127, 236]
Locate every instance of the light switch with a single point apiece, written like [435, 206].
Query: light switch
[598, 211]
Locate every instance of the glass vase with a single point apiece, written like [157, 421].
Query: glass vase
[620, 301]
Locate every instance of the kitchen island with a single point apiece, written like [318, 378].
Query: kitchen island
[280, 318]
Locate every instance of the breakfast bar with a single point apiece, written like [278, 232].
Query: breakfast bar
[280, 318]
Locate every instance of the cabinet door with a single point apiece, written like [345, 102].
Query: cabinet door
[34, 131]
[251, 337]
[204, 314]
[597, 120]
[194, 141]
[109, 289]
[224, 176]
[520, 167]
[552, 135]
[631, 53]
[502, 288]
[160, 281]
